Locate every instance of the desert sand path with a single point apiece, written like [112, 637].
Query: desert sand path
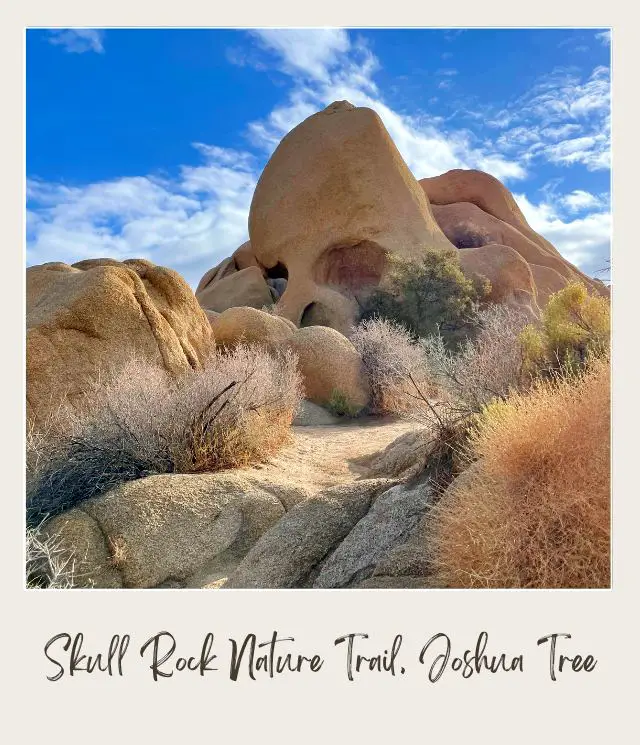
[324, 456]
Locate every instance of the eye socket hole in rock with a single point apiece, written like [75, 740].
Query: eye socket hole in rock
[467, 237]
[351, 266]
[278, 271]
[315, 314]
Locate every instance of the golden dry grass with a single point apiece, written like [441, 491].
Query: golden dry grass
[534, 509]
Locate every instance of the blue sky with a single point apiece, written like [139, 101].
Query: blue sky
[148, 143]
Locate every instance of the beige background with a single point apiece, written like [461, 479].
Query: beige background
[501, 708]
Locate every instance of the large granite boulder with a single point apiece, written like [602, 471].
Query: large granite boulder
[85, 321]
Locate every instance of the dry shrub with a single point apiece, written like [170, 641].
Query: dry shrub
[534, 509]
[487, 367]
[391, 359]
[234, 412]
[48, 563]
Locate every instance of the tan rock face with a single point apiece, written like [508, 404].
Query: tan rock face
[244, 287]
[250, 326]
[475, 210]
[87, 320]
[512, 281]
[334, 198]
[329, 362]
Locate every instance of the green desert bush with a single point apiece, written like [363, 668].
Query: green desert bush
[533, 507]
[234, 412]
[339, 404]
[574, 327]
[428, 296]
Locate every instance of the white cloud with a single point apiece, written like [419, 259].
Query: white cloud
[347, 74]
[312, 52]
[604, 37]
[189, 223]
[78, 40]
[584, 241]
[580, 200]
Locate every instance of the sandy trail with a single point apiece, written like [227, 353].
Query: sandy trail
[324, 456]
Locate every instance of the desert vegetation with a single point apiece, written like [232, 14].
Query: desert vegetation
[532, 508]
[518, 420]
[48, 563]
[427, 297]
[235, 411]
[575, 327]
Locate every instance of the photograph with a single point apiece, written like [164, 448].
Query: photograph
[317, 308]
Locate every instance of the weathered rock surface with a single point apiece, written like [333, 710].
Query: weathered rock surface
[484, 191]
[387, 524]
[285, 555]
[329, 362]
[169, 526]
[246, 287]
[335, 196]
[87, 320]
[467, 226]
[405, 456]
[251, 326]
[474, 209]
[510, 275]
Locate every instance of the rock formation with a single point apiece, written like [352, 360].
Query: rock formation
[328, 363]
[251, 326]
[86, 320]
[336, 199]
[475, 210]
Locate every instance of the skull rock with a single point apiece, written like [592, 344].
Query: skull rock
[335, 199]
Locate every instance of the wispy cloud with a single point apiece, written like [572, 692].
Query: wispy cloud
[189, 223]
[347, 72]
[604, 37]
[580, 200]
[585, 241]
[564, 119]
[78, 40]
[310, 52]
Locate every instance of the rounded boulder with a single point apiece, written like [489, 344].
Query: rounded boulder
[329, 363]
[250, 326]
